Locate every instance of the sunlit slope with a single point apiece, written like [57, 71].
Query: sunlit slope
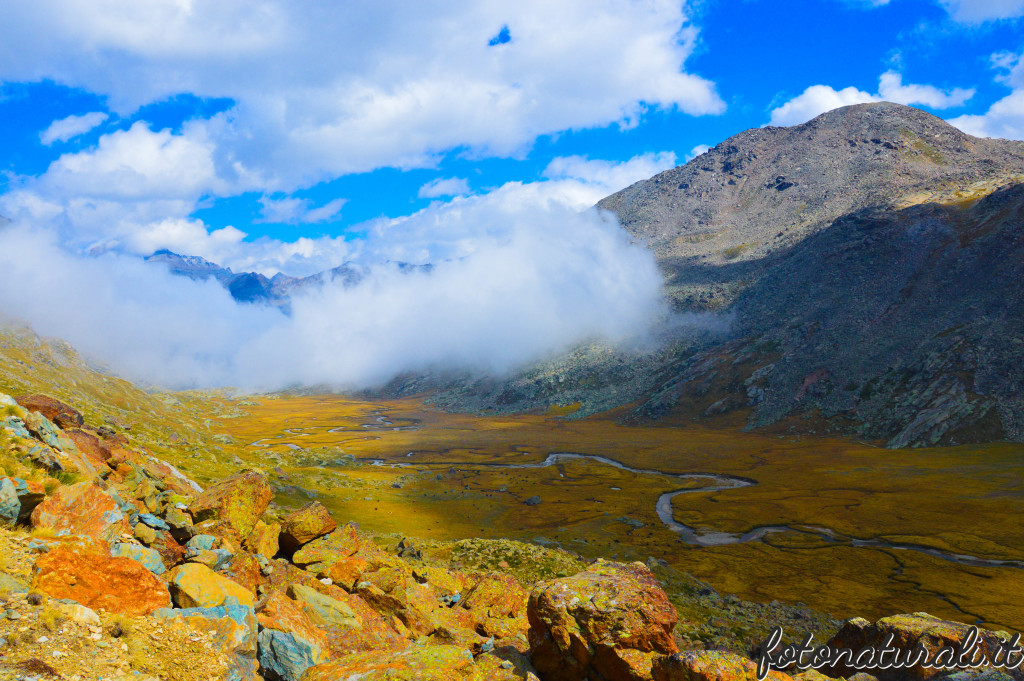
[176, 426]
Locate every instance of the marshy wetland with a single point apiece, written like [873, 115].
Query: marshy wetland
[843, 527]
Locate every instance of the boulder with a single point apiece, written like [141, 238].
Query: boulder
[289, 641]
[201, 542]
[62, 414]
[244, 568]
[29, 495]
[197, 586]
[329, 611]
[708, 665]
[94, 449]
[585, 625]
[150, 558]
[497, 603]
[303, 526]
[119, 585]
[45, 431]
[319, 554]
[264, 539]
[233, 505]
[10, 505]
[232, 629]
[81, 509]
[908, 632]
[345, 572]
[349, 624]
[421, 663]
[180, 523]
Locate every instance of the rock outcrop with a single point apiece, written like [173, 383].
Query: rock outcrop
[611, 621]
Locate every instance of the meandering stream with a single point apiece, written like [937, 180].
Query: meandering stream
[721, 482]
[718, 483]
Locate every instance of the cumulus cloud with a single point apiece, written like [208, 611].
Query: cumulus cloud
[581, 182]
[444, 186]
[979, 11]
[322, 92]
[293, 211]
[697, 151]
[817, 99]
[67, 128]
[513, 281]
[1005, 118]
[892, 89]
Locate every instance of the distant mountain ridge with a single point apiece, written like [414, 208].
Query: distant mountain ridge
[253, 287]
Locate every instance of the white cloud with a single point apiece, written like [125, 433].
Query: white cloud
[322, 92]
[137, 190]
[514, 280]
[444, 186]
[66, 128]
[293, 211]
[697, 151]
[817, 99]
[892, 89]
[581, 182]
[978, 11]
[1005, 118]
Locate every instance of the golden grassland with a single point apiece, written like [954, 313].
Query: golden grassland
[964, 500]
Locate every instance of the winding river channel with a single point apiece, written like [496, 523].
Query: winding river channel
[717, 482]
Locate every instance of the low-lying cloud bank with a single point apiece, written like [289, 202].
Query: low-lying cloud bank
[512, 282]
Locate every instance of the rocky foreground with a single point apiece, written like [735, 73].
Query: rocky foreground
[113, 564]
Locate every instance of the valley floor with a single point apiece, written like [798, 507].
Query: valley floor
[853, 529]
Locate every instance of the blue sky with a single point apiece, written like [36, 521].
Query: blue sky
[275, 136]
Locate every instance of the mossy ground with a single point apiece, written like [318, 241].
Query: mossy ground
[966, 500]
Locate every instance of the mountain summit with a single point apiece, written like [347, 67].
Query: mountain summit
[763, 190]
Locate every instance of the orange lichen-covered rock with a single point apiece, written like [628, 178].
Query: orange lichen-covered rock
[233, 505]
[347, 571]
[417, 663]
[346, 621]
[264, 539]
[320, 554]
[498, 604]
[709, 665]
[581, 625]
[244, 569]
[94, 449]
[197, 586]
[116, 584]
[81, 509]
[908, 632]
[306, 524]
[62, 414]
[284, 614]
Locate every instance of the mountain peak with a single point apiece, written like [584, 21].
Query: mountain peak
[767, 188]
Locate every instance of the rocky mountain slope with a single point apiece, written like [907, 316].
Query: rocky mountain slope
[875, 281]
[713, 221]
[865, 269]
